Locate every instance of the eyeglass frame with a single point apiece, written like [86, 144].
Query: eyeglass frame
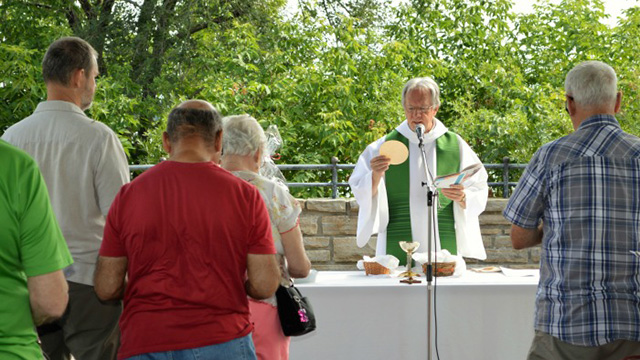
[419, 110]
[566, 107]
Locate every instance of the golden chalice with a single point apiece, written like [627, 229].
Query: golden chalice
[409, 247]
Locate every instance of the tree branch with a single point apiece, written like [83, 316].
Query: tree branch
[328, 14]
[107, 6]
[86, 7]
[104, 20]
[131, 2]
[197, 28]
[72, 19]
[38, 5]
[196, 93]
[345, 8]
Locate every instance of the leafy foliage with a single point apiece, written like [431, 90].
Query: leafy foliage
[329, 75]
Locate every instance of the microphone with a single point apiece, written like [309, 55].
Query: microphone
[420, 131]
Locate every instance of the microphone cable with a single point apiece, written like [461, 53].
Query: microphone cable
[435, 309]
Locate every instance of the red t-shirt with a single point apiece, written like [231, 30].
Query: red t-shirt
[186, 230]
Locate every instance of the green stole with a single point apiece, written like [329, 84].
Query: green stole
[397, 186]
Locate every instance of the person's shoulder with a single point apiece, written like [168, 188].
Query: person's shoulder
[73, 116]
[22, 126]
[95, 134]
[96, 127]
[144, 181]
[556, 145]
[265, 181]
[458, 136]
[242, 184]
[277, 188]
[99, 126]
[9, 150]
[555, 152]
[12, 156]
[166, 166]
[69, 117]
[632, 141]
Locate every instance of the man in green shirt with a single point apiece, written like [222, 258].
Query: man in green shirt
[33, 289]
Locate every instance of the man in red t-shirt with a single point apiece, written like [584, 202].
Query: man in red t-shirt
[185, 243]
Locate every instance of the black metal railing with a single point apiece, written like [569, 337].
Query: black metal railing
[505, 167]
[335, 166]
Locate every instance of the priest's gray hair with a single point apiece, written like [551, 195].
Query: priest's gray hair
[242, 135]
[592, 84]
[423, 83]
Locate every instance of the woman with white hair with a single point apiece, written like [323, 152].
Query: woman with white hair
[243, 146]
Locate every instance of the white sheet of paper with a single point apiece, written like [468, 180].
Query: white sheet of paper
[446, 181]
[518, 272]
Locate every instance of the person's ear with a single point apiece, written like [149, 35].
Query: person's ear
[571, 105]
[616, 109]
[166, 144]
[218, 142]
[257, 157]
[77, 78]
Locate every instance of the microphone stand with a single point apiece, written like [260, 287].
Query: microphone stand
[432, 193]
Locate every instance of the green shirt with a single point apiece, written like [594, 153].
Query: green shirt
[31, 244]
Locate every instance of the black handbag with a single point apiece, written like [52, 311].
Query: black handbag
[295, 311]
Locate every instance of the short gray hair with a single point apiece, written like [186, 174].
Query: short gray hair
[65, 56]
[242, 135]
[592, 83]
[423, 83]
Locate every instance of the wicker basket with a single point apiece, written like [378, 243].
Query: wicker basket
[373, 268]
[441, 269]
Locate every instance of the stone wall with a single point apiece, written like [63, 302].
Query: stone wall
[329, 228]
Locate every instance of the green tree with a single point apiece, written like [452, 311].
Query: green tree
[330, 75]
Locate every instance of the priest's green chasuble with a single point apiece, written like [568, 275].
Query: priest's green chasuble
[398, 197]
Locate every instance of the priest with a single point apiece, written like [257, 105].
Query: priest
[392, 198]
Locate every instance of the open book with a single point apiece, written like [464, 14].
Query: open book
[445, 181]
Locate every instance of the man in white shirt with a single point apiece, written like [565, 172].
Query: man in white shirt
[84, 166]
[392, 200]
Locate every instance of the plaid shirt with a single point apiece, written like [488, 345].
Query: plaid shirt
[586, 187]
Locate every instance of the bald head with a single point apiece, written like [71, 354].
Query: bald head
[196, 104]
[194, 118]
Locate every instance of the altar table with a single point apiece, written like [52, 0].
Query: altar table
[479, 316]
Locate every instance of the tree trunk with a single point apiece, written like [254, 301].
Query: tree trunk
[95, 28]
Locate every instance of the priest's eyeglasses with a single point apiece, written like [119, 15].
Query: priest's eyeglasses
[419, 110]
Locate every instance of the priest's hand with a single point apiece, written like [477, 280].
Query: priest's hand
[456, 193]
[379, 165]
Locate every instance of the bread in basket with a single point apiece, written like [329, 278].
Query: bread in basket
[441, 268]
[374, 268]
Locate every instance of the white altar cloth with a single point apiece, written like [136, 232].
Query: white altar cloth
[359, 317]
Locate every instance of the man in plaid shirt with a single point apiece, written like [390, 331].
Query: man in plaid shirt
[580, 199]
